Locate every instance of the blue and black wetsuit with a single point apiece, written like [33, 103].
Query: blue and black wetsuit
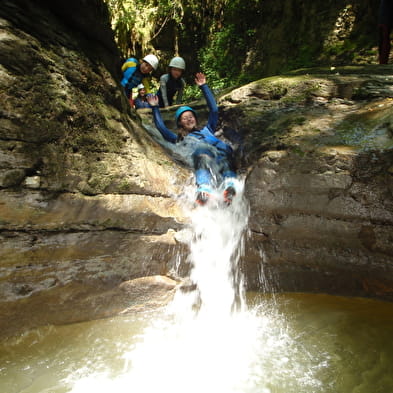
[169, 87]
[211, 157]
[140, 102]
[132, 76]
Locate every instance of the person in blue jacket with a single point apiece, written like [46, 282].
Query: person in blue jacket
[140, 101]
[135, 73]
[211, 157]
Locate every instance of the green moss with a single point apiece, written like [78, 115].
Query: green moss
[305, 57]
[367, 131]
[124, 186]
[340, 48]
[298, 151]
[13, 177]
[166, 163]
[299, 120]
[98, 183]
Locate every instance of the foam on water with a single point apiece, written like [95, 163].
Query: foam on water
[208, 340]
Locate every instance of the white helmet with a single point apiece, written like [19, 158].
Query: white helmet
[178, 62]
[152, 60]
[140, 86]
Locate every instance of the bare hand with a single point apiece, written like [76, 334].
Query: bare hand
[200, 79]
[152, 100]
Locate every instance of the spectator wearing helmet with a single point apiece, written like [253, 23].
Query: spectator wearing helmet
[211, 157]
[172, 83]
[135, 73]
[140, 100]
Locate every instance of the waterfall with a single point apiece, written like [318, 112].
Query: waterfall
[208, 340]
[204, 342]
[216, 243]
[207, 344]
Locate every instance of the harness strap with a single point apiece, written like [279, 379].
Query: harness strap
[220, 145]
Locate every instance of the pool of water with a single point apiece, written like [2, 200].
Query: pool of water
[213, 339]
[288, 343]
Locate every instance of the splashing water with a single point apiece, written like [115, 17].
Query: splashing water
[208, 341]
[216, 244]
[202, 344]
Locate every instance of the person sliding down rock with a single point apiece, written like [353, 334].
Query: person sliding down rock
[211, 157]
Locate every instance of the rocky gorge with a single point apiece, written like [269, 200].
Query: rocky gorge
[319, 148]
[88, 210]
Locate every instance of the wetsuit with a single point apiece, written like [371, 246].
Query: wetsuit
[140, 102]
[385, 24]
[211, 157]
[132, 76]
[169, 87]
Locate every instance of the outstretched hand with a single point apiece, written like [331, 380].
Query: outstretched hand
[152, 100]
[200, 79]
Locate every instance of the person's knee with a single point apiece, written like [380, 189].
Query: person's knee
[202, 159]
[202, 151]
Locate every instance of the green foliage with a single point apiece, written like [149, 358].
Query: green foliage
[340, 48]
[235, 41]
[192, 92]
[212, 58]
[224, 56]
[221, 67]
[137, 22]
[305, 58]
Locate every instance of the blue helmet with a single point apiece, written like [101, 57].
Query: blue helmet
[181, 110]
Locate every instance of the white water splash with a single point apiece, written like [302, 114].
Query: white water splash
[205, 346]
[208, 341]
[202, 345]
[216, 245]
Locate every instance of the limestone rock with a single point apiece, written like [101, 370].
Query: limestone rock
[87, 206]
[319, 149]
[86, 196]
[148, 292]
[32, 182]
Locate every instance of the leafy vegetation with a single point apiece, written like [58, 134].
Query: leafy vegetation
[136, 23]
[234, 42]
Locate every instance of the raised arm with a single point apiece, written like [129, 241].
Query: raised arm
[200, 80]
[167, 134]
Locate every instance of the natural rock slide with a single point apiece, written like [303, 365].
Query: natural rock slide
[88, 198]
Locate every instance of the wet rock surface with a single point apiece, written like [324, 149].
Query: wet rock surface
[86, 197]
[319, 152]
